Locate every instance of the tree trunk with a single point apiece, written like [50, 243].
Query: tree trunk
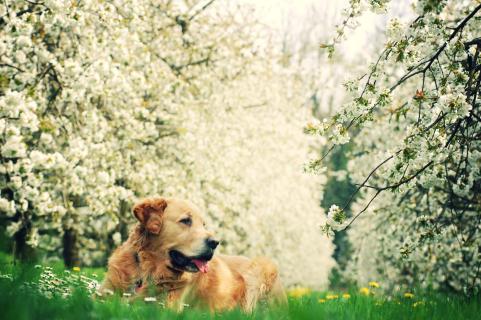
[21, 250]
[70, 249]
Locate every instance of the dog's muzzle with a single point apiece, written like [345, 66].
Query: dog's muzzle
[194, 263]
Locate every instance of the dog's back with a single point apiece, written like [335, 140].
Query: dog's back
[260, 278]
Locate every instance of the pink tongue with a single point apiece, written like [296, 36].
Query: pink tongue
[201, 265]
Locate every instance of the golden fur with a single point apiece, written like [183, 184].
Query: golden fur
[143, 260]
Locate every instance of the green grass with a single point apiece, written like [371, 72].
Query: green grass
[18, 301]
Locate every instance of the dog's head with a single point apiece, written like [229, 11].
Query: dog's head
[176, 228]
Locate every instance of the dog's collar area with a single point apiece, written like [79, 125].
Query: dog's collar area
[175, 271]
[166, 285]
[170, 286]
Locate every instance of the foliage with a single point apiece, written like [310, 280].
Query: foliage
[415, 122]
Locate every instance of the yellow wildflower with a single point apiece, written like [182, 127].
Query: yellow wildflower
[365, 291]
[373, 284]
[321, 300]
[76, 269]
[299, 292]
[418, 303]
[346, 295]
[408, 295]
[332, 296]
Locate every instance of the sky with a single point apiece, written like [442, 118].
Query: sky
[319, 18]
[302, 25]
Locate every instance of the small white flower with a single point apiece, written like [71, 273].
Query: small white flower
[20, 57]
[150, 299]
[13, 228]
[33, 238]
[14, 147]
[23, 41]
[16, 182]
[336, 218]
[8, 207]
[117, 238]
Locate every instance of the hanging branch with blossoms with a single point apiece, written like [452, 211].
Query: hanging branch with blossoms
[422, 97]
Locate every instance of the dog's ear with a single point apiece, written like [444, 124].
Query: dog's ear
[149, 213]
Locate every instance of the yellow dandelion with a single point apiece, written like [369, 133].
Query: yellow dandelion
[408, 295]
[76, 269]
[373, 284]
[332, 296]
[365, 291]
[321, 300]
[299, 292]
[346, 295]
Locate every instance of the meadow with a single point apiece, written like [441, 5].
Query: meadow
[27, 293]
[340, 139]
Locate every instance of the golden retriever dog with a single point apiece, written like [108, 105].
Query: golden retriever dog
[170, 253]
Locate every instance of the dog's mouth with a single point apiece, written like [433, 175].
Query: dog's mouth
[191, 264]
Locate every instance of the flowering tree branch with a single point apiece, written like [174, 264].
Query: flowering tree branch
[430, 114]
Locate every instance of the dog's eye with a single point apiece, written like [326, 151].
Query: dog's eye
[186, 221]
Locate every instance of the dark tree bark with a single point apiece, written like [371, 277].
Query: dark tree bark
[21, 250]
[70, 249]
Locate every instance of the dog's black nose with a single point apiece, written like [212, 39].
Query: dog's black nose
[212, 243]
